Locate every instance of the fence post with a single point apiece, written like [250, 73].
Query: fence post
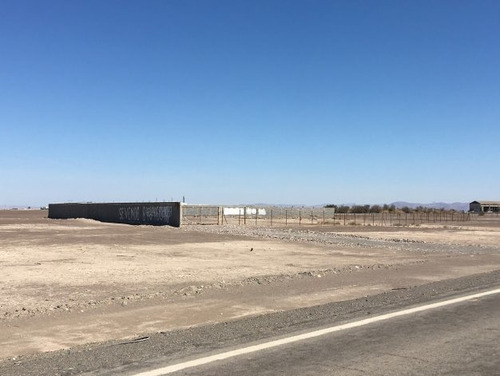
[286, 217]
[245, 215]
[300, 217]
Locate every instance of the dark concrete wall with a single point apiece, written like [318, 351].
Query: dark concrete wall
[134, 213]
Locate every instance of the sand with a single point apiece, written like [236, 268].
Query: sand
[70, 282]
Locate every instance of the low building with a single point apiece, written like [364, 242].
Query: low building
[485, 206]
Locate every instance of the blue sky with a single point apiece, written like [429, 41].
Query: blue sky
[262, 101]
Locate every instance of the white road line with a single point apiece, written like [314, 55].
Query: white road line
[247, 350]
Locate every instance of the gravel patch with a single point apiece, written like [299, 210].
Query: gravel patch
[340, 239]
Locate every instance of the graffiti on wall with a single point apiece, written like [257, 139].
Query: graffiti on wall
[156, 213]
[148, 214]
[129, 213]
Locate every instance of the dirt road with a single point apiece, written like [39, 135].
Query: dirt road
[70, 282]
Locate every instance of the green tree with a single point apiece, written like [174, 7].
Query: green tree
[342, 209]
[360, 209]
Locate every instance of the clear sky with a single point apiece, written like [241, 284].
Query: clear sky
[257, 101]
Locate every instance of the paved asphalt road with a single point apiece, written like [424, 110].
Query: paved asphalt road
[459, 339]
[462, 339]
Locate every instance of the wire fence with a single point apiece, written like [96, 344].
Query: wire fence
[279, 216]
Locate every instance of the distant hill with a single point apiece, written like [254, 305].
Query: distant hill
[458, 206]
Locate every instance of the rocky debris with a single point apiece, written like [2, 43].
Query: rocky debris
[338, 239]
[187, 291]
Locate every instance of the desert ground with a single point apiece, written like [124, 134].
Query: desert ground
[66, 283]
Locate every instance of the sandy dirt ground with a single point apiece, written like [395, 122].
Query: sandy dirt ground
[71, 282]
